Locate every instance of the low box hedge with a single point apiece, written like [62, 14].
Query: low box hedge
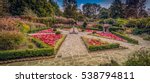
[58, 44]
[130, 40]
[102, 47]
[17, 54]
[38, 29]
[43, 50]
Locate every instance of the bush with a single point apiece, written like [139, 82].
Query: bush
[139, 58]
[110, 21]
[17, 54]
[132, 23]
[146, 37]
[103, 47]
[10, 39]
[30, 46]
[39, 43]
[137, 31]
[121, 22]
[23, 27]
[7, 24]
[57, 32]
[130, 40]
[84, 25]
[37, 29]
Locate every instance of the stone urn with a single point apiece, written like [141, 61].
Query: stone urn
[106, 27]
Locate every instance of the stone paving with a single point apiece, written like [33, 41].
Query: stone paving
[74, 53]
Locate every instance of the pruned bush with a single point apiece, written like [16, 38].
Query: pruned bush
[7, 24]
[139, 58]
[120, 22]
[57, 32]
[10, 39]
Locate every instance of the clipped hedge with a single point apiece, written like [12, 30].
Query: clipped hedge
[37, 29]
[17, 54]
[58, 44]
[43, 50]
[141, 31]
[102, 47]
[130, 40]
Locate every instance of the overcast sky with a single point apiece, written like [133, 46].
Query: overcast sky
[103, 3]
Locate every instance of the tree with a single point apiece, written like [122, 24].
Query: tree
[91, 10]
[70, 8]
[135, 8]
[104, 13]
[4, 8]
[40, 7]
[116, 9]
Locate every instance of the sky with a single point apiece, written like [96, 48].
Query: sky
[103, 3]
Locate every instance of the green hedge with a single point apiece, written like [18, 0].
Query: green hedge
[102, 47]
[43, 50]
[39, 43]
[141, 31]
[38, 29]
[130, 40]
[58, 44]
[17, 54]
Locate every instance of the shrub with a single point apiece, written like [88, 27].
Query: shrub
[139, 58]
[101, 22]
[23, 27]
[103, 47]
[57, 32]
[146, 37]
[132, 23]
[38, 29]
[130, 40]
[137, 31]
[54, 29]
[84, 25]
[17, 54]
[10, 39]
[30, 46]
[121, 22]
[7, 24]
[110, 21]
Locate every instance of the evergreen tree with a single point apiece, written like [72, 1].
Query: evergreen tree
[70, 8]
[116, 9]
[4, 8]
[104, 13]
[135, 8]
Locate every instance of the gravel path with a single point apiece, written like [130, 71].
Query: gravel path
[72, 47]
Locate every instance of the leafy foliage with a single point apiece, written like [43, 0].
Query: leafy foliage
[139, 58]
[10, 39]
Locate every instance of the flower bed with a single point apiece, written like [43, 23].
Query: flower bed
[97, 44]
[109, 35]
[46, 31]
[49, 39]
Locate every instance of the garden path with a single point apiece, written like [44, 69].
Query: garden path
[73, 46]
